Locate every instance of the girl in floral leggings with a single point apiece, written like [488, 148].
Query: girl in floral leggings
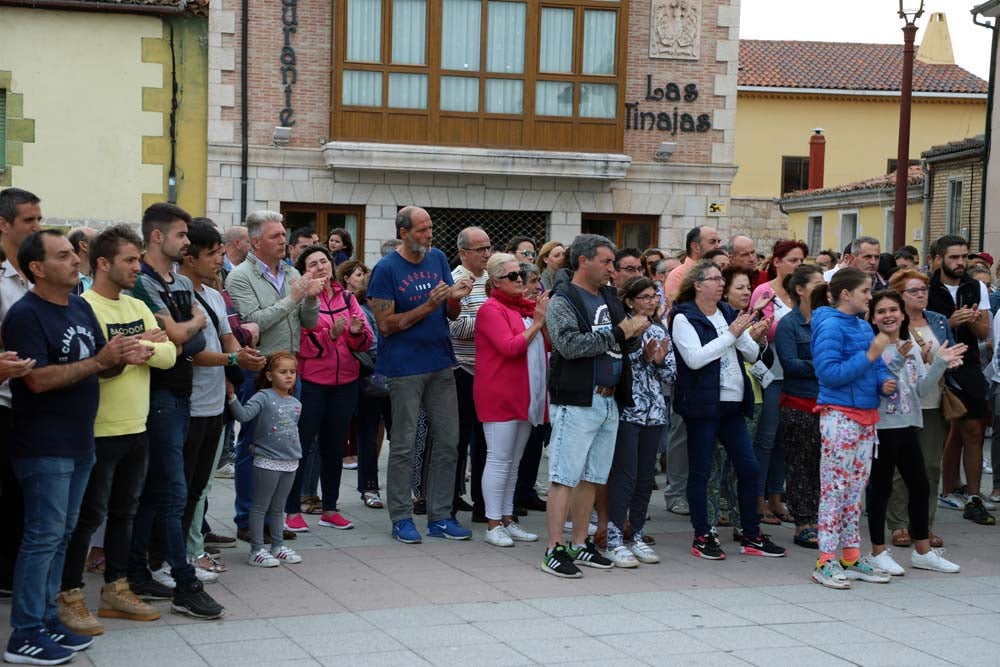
[851, 374]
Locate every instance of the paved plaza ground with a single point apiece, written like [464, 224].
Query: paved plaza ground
[360, 598]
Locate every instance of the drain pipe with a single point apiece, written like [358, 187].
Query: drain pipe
[927, 209]
[244, 115]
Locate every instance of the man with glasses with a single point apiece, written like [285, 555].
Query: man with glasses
[628, 264]
[474, 250]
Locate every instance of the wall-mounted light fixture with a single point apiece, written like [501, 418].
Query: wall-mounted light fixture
[665, 150]
[282, 135]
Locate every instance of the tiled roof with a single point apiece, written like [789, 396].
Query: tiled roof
[885, 182]
[845, 66]
[977, 142]
[196, 7]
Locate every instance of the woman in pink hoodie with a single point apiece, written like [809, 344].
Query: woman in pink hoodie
[330, 386]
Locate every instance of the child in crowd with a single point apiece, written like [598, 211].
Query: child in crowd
[851, 373]
[900, 416]
[276, 453]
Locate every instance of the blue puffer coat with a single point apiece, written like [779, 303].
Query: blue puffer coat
[840, 357]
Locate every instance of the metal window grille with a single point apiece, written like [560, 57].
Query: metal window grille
[501, 226]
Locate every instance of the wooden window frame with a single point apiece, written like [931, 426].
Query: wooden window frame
[322, 212]
[621, 221]
[533, 132]
[805, 159]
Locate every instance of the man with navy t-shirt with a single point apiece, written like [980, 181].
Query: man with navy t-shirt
[413, 296]
[52, 438]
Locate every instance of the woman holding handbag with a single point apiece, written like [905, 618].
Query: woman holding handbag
[330, 386]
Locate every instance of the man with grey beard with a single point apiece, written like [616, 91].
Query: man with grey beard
[413, 296]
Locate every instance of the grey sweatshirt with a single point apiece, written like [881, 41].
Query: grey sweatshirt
[276, 433]
[913, 380]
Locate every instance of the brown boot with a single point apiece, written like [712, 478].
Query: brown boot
[73, 613]
[118, 601]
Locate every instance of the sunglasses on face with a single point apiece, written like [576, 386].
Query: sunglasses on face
[515, 275]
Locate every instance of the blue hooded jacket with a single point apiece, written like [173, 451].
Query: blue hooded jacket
[840, 357]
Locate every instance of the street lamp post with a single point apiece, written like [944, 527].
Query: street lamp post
[909, 11]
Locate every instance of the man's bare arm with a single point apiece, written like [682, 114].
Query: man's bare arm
[389, 322]
[180, 332]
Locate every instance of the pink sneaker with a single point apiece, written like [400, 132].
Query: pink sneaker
[296, 524]
[335, 520]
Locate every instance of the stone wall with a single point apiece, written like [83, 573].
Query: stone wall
[970, 170]
[756, 217]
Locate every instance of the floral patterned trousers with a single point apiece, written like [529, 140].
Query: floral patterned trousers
[844, 467]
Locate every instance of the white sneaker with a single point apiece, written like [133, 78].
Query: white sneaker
[226, 471]
[679, 507]
[263, 558]
[286, 555]
[203, 575]
[933, 560]
[988, 504]
[621, 557]
[987, 468]
[885, 562]
[952, 501]
[498, 537]
[519, 534]
[162, 576]
[643, 552]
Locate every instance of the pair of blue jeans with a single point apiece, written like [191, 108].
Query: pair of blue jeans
[53, 489]
[730, 428]
[769, 443]
[161, 505]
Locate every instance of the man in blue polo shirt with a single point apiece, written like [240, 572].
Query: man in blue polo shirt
[413, 296]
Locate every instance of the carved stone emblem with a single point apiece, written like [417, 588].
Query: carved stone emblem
[675, 29]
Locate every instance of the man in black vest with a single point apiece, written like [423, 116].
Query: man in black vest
[590, 376]
[966, 304]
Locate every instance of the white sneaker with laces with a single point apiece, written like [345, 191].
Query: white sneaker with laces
[519, 534]
[679, 507]
[933, 560]
[263, 558]
[498, 537]
[225, 471]
[643, 552]
[286, 555]
[885, 562]
[621, 557]
[952, 501]
[163, 577]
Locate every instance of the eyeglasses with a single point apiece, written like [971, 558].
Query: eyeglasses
[631, 269]
[916, 291]
[514, 275]
[712, 279]
[482, 250]
[530, 254]
[645, 297]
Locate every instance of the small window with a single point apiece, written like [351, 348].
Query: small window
[794, 174]
[890, 224]
[814, 233]
[625, 231]
[953, 209]
[848, 228]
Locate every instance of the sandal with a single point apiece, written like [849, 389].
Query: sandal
[312, 505]
[206, 562]
[901, 538]
[936, 541]
[769, 519]
[808, 538]
[372, 500]
[96, 565]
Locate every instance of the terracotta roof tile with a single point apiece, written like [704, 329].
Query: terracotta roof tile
[977, 142]
[196, 7]
[884, 182]
[845, 66]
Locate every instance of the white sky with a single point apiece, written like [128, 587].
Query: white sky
[865, 21]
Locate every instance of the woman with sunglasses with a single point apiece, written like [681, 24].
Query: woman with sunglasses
[522, 247]
[714, 397]
[508, 389]
[639, 429]
[929, 330]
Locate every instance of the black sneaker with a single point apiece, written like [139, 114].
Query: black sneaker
[737, 535]
[148, 589]
[976, 512]
[761, 546]
[219, 541]
[707, 546]
[557, 561]
[420, 507]
[193, 601]
[590, 556]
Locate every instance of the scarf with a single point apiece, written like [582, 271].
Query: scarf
[525, 307]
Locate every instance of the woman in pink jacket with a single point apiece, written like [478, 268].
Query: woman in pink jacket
[508, 389]
[330, 386]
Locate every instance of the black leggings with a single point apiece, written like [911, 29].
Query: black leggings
[898, 448]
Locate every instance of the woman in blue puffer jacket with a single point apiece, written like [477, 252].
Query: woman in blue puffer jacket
[851, 373]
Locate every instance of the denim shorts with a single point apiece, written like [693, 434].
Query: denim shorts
[582, 445]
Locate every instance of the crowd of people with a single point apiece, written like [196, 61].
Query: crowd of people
[136, 368]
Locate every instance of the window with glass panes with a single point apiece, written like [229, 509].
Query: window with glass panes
[506, 73]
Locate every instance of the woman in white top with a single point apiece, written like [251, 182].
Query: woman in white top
[768, 442]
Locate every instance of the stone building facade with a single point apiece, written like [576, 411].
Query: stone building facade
[659, 162]
[955, 190]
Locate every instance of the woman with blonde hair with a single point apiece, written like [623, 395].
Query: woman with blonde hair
[550, 260]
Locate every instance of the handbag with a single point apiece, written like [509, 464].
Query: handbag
[952, 406]
[366, 361]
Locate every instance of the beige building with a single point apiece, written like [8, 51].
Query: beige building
[954, 190]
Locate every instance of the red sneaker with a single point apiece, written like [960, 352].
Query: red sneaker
[335, 520]
[296, 524]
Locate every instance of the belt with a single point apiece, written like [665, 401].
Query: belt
[604, 391]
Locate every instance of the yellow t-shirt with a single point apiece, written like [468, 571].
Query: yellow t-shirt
[125, 397]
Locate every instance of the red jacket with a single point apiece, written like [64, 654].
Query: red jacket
[500, 387]
[330, 362]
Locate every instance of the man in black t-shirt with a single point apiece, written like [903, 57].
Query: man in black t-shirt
[52, 439]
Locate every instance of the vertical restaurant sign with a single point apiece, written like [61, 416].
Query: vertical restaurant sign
[289, 73]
